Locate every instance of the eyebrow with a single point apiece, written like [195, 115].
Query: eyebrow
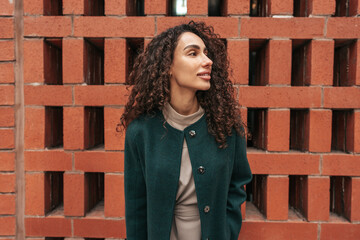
[193, 46]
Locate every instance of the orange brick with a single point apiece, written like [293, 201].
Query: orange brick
[197, 7]
[334, 97]
[73, 7]
[7, 117]
[73, 64]
[74, 195]
[322, 62]
[277, 198]
[49, 26]
[341, 165]
[7, 204]
[100, 95]
[279, 62]
[7, 95]
[7, 182]
[7, 161]
[114, 7]
[280, 7]
[114, 199]
[7, 139]
[320, 130]
[7, 52]
[354, 209]
[34, 128]
[6, 8]
[92, 161]
[278, 130]
[35, 194]
[322, 7]
[33, 7]
[33, 60]
[237, 7]
[342, 27]
[6, 28]
[238, 52]
[50, 226]
[7, 73]
[47, 161]
[7, 226]
[155, 7]
[355, 65]
[356, 131]
[317, 198]
[342, 230]
[73, 128]
[113, 140]
[96, 228]
[115, 60]
[49, 95]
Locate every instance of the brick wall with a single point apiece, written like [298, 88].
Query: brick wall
[296, 69]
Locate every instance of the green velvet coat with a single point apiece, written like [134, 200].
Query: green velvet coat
[152, 170]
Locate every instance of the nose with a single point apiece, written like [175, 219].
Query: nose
[207, 61]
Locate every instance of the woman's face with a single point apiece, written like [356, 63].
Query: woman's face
[191, 68]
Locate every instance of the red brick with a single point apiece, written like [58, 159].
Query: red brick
[321, 7]
[73, 7]
[280, 7]
[7, 204]
[197, 7]
[238, 52]
[7, 182]
[49, 95]
[342, 27]
[49, 226]
[237, 7]
[115, 7]
[320, 130]
[277, 198]
[33, 7]
[291, 163]
[155, 7]
[7, 73]
[73, 63]
[225, 27]
[113, 140]
[278, 130]
[267, 27]
[317, 198]
[101, 95]
[356, 131]
[7, 161]
[47, 161]
[354, 209]
[335, 231]
[7, 226]
[6, 27]
[115, 60]
[7, 117]
[114, 27]
[73, 128]
[322, 62]
[74, 195]
[287, 97]
[7, 51]
[341, 165]
[282, 230]
[114, 196]
[341, 97]
[99, 228]
[355, 64]
[92, 161]
[34, 137]
[35, 194]
[278, 67]
[33, 61]
[7, 138]
[7, 95]
[47, 26]
[6, 8]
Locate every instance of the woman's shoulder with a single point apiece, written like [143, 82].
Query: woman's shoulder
[143, 122]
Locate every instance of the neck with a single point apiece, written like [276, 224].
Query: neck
[185, 104]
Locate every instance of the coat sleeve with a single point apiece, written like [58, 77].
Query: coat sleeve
[135, 190]
[241, 175]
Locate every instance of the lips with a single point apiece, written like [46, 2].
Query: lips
[204, 75]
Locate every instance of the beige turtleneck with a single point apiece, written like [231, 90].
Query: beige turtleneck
[186, 221]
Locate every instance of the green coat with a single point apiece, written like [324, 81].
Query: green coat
[152, 170]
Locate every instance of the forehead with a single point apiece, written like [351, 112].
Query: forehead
[189, 38]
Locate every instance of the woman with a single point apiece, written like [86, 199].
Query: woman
[185, 147]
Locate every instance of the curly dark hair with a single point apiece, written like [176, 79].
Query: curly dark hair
[150, 80]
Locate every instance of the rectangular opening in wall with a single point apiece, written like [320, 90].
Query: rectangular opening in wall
[259, 8]
[256, 121]
[94, 8]
[257, 62]
[297, 193]
[134, 46]
[94, 127]
[342, 130]
[94, 192]
[53, 61]
[340, 196]
[135, 8]
[54, 192]
[300, 62]
[53, 127]
[217, 8]
[177, 7]
[342, 8]
[301, 8]
[94, 61]
[255, 195]
[53, 7]
[54, 238]
[299, 125]
[344, 73]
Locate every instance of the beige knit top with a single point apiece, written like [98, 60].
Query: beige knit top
[186, 220]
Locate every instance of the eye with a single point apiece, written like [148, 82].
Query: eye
[192, 54]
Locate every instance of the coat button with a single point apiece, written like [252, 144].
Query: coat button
[201, 170]
[206, 209]
[192, 133]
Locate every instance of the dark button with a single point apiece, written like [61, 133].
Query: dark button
[201, 170]
[206, 209]
[192, 133]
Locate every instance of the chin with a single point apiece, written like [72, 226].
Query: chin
[204, 87]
